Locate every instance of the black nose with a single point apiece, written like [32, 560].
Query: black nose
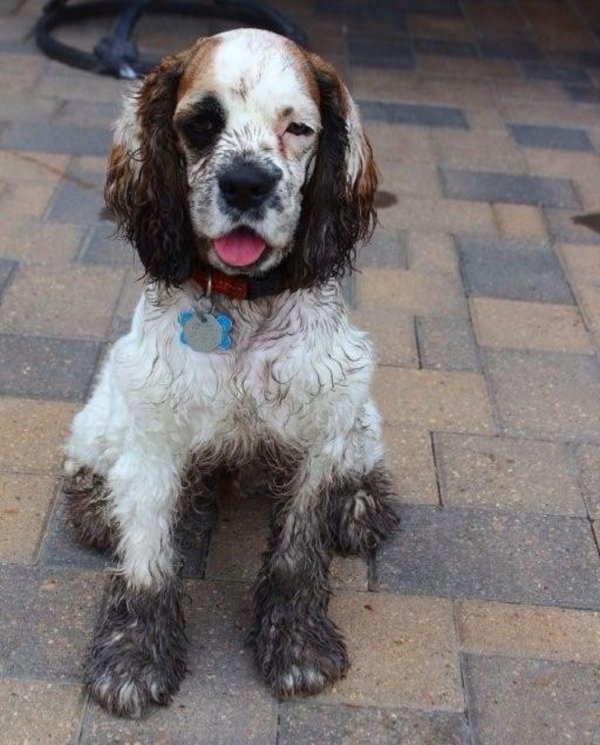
[245, 185]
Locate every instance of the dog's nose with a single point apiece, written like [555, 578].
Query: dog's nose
[246, 185]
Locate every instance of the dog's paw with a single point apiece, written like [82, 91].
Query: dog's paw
[127, 686]
[138, 653]
[119, 687]
[86, 495]
[301, 660]
[124, 681]
[362, 522]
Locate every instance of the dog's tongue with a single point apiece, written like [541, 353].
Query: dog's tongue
[240, 247]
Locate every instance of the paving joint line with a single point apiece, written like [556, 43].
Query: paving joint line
[436, 468]
[464, 683]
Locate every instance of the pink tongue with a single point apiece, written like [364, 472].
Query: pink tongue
[239, 248]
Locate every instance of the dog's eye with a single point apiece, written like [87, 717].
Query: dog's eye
[300, 130]
[200, 124]
[199, 131]
[205, 126]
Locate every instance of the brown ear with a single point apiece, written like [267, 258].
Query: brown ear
[146, 186]
[338, 204]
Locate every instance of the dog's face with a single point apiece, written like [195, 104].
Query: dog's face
[243, 152]
[248, 127]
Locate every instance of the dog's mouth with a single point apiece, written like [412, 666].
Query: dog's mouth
[241, 247]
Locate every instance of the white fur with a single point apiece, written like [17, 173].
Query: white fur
[298, 374]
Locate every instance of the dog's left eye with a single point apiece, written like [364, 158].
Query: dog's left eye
[300, 130]
[205, 126]
[201, 123]
[199, 131]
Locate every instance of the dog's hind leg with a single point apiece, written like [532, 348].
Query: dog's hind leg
[138, 652]
[362, 499]
[88, 499]
[361, 511]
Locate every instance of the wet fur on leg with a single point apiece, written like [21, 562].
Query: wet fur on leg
[298, 649]
[361, 512]
[87, 498]
[138, 652]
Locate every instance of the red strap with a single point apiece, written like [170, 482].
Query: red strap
[242, 288]
[223, 284]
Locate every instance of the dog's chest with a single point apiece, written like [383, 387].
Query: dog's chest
[286, 374]
[294, 370]
[261, 378]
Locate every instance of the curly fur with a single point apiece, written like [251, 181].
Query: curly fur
[167, 428]
[138, 652]
[336, 213]
[149, 208]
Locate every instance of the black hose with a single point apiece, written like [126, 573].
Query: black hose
[117, 55]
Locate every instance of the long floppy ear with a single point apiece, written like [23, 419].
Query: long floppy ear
[338, 203]
[146, 186]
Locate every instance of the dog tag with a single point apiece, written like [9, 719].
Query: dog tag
[205, 332]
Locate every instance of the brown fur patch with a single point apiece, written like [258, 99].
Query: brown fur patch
[303, 60]
[329, 71]
[198, 72]
[118, 176]
[366, 183]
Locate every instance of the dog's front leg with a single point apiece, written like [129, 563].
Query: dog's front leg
[298, 649]
[137, 654]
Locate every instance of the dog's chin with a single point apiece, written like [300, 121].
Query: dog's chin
[242, 251]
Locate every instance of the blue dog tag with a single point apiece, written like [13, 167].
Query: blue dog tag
[205, 332]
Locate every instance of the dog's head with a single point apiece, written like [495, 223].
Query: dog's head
[243, 152]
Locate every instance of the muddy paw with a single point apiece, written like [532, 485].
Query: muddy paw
[120, 685]
[86, 495]
[363, 522]
[301, 659]
[137, 656]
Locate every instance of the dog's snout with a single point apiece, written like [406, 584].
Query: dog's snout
[245, 186]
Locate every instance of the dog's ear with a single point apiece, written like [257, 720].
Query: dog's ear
[146, 186]
[338, 201]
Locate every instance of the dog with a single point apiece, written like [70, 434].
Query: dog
[241, 174]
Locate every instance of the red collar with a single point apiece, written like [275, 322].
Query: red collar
[238, 287]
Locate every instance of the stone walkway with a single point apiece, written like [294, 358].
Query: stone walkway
[484, 299]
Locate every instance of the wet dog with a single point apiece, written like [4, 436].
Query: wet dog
[242, 176]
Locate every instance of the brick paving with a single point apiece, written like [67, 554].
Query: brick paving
[481, 625]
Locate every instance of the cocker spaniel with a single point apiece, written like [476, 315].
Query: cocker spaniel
[242, 176]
